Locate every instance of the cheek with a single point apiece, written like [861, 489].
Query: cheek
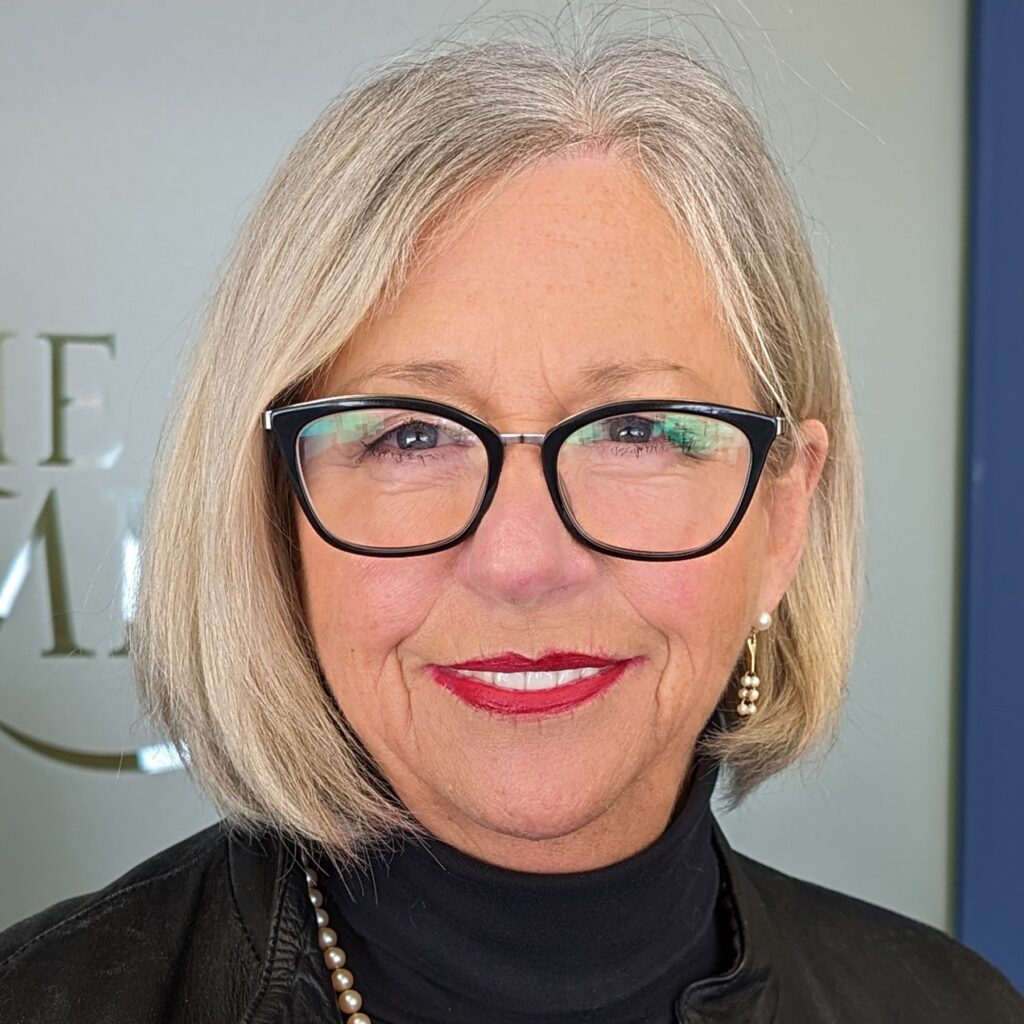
[682, 599]
[701, 605]
[360, 609]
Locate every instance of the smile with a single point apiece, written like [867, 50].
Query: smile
[512, 684]
[530, 680]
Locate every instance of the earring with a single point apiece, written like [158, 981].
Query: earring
[749, 683]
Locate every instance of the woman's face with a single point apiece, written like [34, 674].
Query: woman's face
[573, 267]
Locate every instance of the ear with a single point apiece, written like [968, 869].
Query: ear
[789, 502]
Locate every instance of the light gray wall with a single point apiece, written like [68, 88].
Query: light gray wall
[134, 139]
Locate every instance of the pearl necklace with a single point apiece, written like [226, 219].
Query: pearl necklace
[342, 981]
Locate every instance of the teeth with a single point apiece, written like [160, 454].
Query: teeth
[530, 680]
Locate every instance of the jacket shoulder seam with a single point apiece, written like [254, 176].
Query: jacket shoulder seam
[250, 941]
[94, 908]
[273, 944]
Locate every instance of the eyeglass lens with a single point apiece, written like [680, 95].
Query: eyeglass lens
[656, 481]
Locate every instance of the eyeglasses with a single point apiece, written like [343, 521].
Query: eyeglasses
[649, 479]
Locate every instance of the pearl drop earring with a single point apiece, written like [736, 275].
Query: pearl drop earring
[750, 682]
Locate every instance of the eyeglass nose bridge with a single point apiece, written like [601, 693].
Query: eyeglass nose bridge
[536, 439]
[549, 472]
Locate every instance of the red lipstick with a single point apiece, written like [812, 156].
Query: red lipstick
[509, 697]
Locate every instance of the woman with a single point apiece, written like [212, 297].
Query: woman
[511, 493]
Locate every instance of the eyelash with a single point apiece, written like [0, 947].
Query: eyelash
[375, 451]
[623, 448]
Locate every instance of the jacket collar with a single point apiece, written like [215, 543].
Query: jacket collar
[762, 986]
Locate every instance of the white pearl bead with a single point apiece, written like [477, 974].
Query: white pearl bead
[753, 694]
[334, 957]
[342, 980]
[349, 1001]
[764, 620]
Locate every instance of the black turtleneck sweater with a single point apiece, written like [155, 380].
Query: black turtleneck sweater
[434, 935]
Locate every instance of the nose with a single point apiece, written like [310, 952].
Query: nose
[521, 553]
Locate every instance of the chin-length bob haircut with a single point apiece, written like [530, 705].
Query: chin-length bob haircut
[223, 659]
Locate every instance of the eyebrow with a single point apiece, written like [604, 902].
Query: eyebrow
[600, 378]
[611, 376]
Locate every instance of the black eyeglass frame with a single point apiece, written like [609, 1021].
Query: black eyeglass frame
[285, 424]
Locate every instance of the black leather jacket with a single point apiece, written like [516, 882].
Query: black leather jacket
[218, 929]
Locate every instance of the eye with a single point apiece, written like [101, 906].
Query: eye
[631, 429]
[413, 436]
[418, 437]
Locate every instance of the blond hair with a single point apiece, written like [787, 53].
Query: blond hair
[223, 659]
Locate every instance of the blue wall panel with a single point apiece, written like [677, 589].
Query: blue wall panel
[990, 891]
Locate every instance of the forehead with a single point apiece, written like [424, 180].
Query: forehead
[572, 282]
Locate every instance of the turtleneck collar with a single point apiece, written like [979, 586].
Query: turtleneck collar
[434, 934]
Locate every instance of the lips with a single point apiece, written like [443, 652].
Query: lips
[514, 684]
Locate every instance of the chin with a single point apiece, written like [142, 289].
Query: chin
[538, 817]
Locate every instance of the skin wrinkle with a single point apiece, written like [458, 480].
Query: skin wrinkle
[569, 268]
